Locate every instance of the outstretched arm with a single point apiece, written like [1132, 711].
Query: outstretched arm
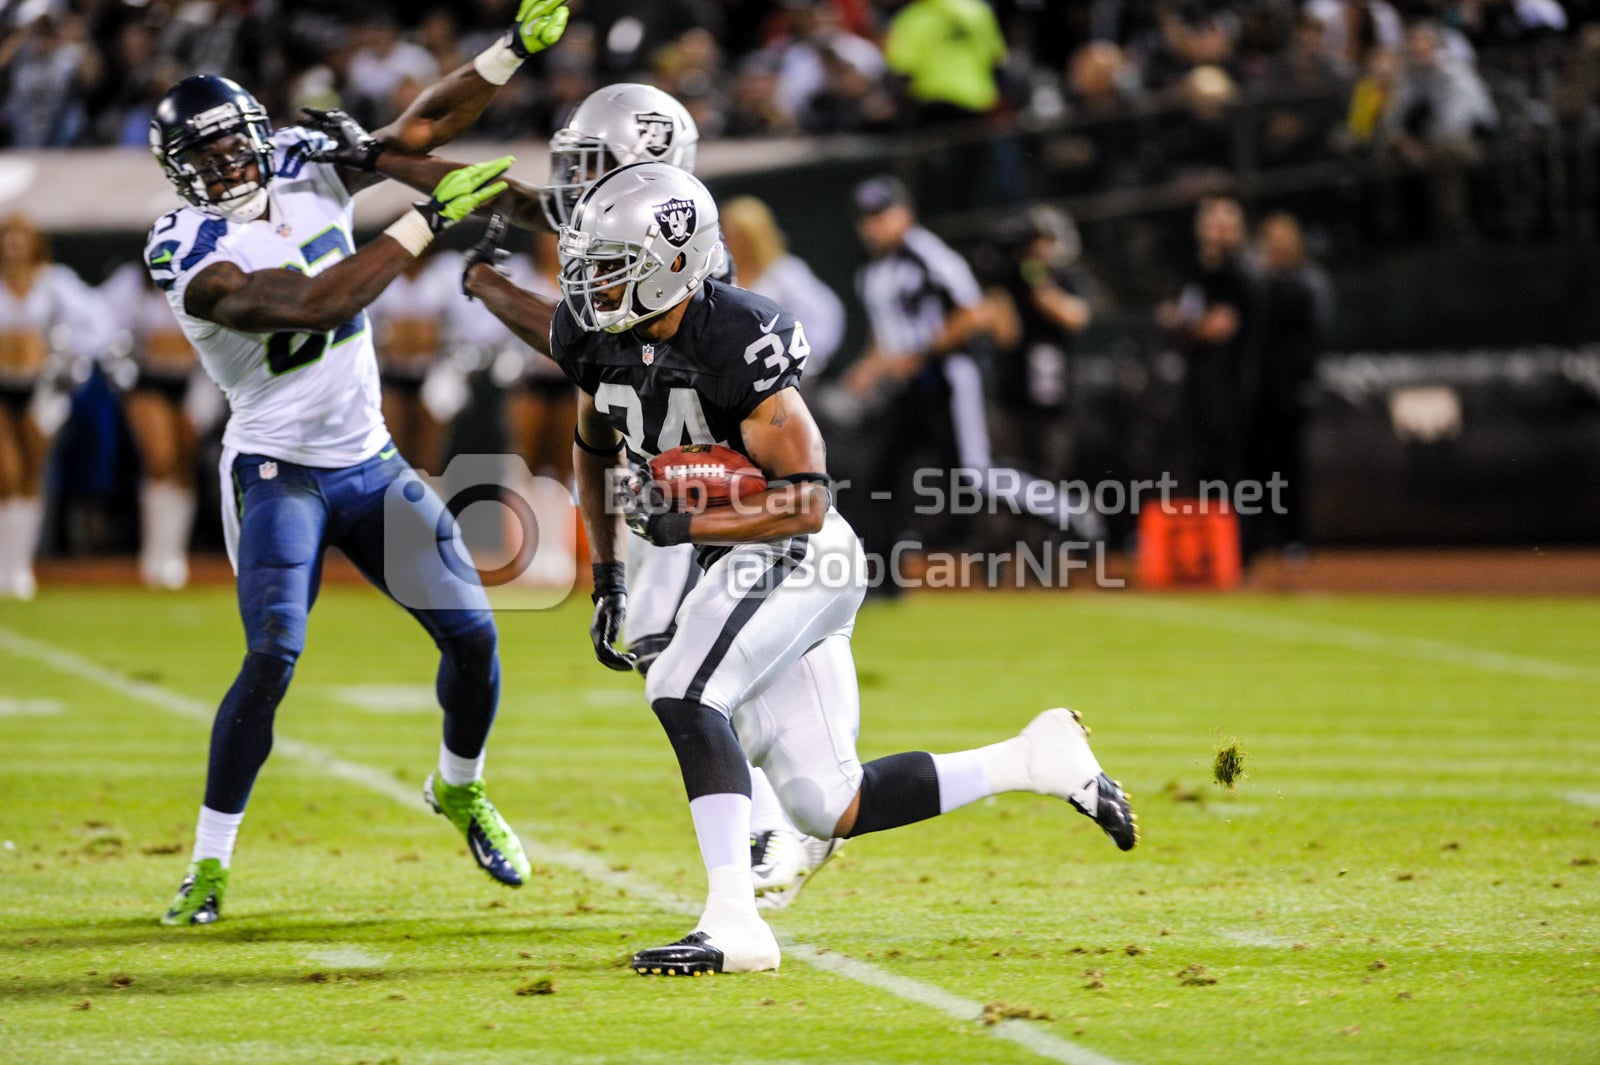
[519, 203]
[446, 108]
[262, 301]
[527, 314]
[363, 159]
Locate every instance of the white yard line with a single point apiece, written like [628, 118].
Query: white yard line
[1030, 1037]
[1291, 631]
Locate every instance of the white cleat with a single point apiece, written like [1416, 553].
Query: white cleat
[742, 947]
[1060, 763]
[168, 574]
[777, 860]
[816, 853]
[21, 586]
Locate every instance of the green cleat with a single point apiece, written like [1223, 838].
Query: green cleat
[494, 846]
[199, 898]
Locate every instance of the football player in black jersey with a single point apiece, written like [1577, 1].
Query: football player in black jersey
[760, 664]
[614, 126]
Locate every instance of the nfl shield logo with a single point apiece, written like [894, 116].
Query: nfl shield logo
[677, 221]
[649, 354]
[269, 470]
[284, 231]
[655, 132]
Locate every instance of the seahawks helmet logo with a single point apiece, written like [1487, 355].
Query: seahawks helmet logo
[655, 132]
[677, 219]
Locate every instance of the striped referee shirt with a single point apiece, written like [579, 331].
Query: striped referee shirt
[910, 292]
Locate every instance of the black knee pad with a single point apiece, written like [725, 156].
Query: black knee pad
[708, 752]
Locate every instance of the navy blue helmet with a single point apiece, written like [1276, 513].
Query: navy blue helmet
[197, 111]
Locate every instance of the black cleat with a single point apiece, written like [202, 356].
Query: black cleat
[1112, 813]
[689, 956]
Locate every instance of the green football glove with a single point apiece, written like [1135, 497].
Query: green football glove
[463, 191]
[540, 23]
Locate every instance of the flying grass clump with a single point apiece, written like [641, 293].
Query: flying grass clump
[544, 985]
[1228, 767]
[995, 1012]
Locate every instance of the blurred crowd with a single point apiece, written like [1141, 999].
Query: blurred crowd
[968, 368]
[80, 72]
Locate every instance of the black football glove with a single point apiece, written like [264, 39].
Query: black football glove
[487, 250]
[353, 147]
[648, 511]
[610, 608]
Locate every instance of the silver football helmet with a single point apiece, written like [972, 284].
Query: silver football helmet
[614, 126]
[642, 239]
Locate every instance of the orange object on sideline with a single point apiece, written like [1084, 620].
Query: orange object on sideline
[1186, 544]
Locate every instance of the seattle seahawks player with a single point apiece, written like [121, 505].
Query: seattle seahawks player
[260, 271]
[760, 663]
[612, 127]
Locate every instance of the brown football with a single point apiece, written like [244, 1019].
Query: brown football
[705, 475]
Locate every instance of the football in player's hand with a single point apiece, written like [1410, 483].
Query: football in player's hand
[705, 475]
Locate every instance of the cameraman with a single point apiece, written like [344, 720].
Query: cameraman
[1037, 305]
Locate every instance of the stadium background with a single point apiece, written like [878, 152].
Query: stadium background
[1463, 273]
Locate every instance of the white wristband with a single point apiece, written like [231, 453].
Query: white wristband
[412, 231]
[496, 63]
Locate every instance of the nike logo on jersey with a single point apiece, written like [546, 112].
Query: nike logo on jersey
[388, 454]
[768, 327]
[164, 257]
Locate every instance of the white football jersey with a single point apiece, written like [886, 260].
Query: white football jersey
[307, 398]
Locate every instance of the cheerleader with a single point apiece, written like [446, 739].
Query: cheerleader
[51, 323]
[170, 404]
[408, 331]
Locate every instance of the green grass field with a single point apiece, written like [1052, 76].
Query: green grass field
[1410, 872]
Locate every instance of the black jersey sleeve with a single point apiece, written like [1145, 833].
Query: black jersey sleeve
[768, 355]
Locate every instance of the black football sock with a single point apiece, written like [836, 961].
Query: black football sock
[898, 790]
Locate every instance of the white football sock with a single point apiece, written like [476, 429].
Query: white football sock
[722, 826]
[214, 835]
[10, 546]
[166, 514]
[967, 776]
[458, 771]
[766, 812]
[27, 513]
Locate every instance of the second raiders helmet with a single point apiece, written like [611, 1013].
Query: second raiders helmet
[642, 239]
[615, 126]
[197, 111]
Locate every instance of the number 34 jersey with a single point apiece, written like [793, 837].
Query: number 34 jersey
[307, 398]
[732, 350]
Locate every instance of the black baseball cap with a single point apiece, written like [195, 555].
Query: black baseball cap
[881, 193]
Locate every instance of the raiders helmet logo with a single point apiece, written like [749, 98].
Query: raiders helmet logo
[677, 220]
[655, 132]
